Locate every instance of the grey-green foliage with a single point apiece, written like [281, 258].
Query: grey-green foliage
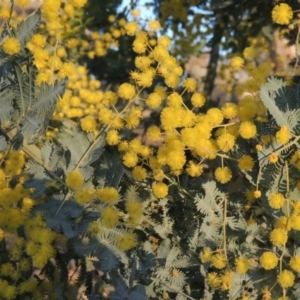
[27, 106]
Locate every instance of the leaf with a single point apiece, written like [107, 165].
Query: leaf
[137, 293]
[164, 248]
[172, 255]
[267, 94]
[108, 260]
[208, 204]
[28, 27]
[6, 111]
[48, 96]
[121, 290]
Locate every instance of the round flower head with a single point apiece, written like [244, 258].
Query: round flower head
[247, 130]
[236, 63]
[246, 163]
[242, 265]
[276, 200]
[219, 260]
[74, 180]
[282, 14]
[286, 279]
[160, 190]
[126, 91]
[11, 46]
[278, 237]
[223, 175]
[268, 260]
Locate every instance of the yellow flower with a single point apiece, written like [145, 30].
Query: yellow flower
[2, 234]
[223, 175]
[160, 190]
[268, 260]
[236, 63]
[246, 163]
[295, 263]
[242, 265]
[247, 130]
[226, 142]
[108, 195]
[229, 110]
[37, 40]
[213, 280]
[276, 200]
[153, 133]
[154, 25]
[74, 180]
[219, 261]
[190, 84]
[126, 91]
[283, 135]
[175, 100]
[249, 52]
[130, 159]
[78, 3]
[88, 124]
[206, 255]
[214, 116]
[278, 237]
[282, 14]
[109, 217]
[131, 28]
[11, 46]
[83, 196]
[139, 173]
[286, 279]
[273, 158]
[194, 169]
[126, 241]
[22, 3]
[113, 138]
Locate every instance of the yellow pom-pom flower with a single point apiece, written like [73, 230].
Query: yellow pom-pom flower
[268, 260]
[78, 3]
[194, 169]
[241, 265]
[139, 173]
[198, 99]
[126, 241]
[74, 180]
[113, 138]
[160, 190]
[11, 46]
[88, 124]
[206, 255]
[295, 263]
[126, 91]
[236, 63]
[190, 84]
[213, 280]
[109, 217]
[130, 159]
[286, 279]
[230, 110]
[223, 175]
[282, 14]
[283, 135]
[226, 142]
[247, 130]
[278, 237]
[246, 162]
[219, 260]
[108, 195]
[276, 200]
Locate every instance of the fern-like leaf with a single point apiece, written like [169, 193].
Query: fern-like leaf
[28, 27]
